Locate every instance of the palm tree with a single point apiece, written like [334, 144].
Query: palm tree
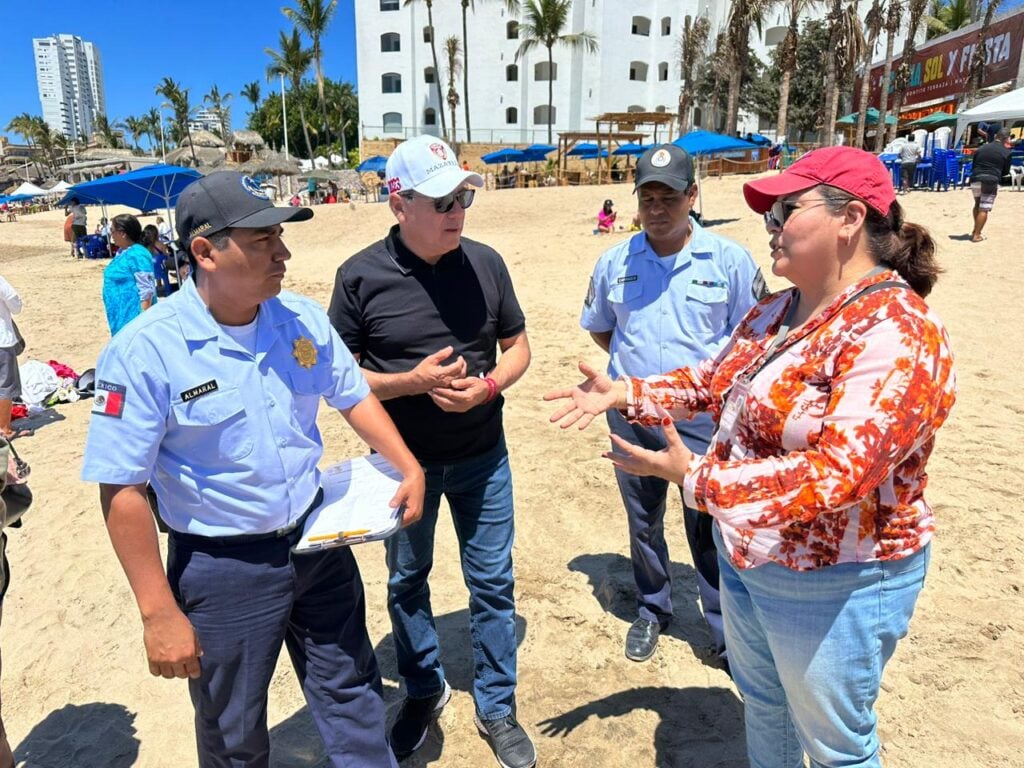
[107, 131]
[787, 60]
[874, 21]
[977, 69]
[893, 22]
[743, 14]
[433, 56]
[314, 17]
[43, 137]
[846, 45]
[24, 125]
[945, 16]
[543, 22]
[178, 98]
[292, 61]
[453, 50]
[136, 128]
[915, 13]
[251, 91]
[218, 102]
[692, 45]
[512, 7]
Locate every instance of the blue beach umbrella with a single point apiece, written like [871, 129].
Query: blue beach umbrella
[634, 150]
[505, 155]
[709, 143]
[373, 164]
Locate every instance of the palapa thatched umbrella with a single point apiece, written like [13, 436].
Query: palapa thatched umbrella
[207, 157]
[203, 138]
[272, 164]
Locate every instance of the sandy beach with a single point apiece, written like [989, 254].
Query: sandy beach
[76, 690]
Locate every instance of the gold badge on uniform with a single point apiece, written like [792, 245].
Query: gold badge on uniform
[304, 352]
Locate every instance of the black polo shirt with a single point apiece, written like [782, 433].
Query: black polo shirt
[393, 309]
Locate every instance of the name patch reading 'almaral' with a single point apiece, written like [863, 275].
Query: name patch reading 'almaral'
[202, 389]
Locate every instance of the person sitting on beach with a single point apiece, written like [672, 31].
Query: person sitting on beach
[827, 400]
[606, 218]
[128, 281]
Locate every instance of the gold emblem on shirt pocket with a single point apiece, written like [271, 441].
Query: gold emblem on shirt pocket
[219, 421]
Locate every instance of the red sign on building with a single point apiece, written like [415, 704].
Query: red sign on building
[940, 70]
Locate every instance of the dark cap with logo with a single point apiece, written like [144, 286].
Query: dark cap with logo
[666, 163]
[228, 199]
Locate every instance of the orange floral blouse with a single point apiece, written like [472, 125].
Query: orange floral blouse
[825, 462]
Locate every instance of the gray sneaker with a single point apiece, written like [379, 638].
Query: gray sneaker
[512, 746]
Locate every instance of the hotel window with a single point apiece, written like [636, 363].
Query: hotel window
[663, 71]
[541, 115]
[637, 70]
[391, 82]
[428, 75]
[512, 73]
[511, 116]
[390, 42]
[429, 116]
[666, 26]
[428, 35]
[512, 30]
[641, 26]
[390, 5]
[392, 122]
[540, 71]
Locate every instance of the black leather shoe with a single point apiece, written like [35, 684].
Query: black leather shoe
[642, 639]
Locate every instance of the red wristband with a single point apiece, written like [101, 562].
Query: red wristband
[492, 389]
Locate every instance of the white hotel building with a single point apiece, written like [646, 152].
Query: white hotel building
[69, 75]
[635, 69]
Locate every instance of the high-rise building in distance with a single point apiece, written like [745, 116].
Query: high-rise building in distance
[69, 75]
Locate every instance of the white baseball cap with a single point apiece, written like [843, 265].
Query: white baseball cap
[427, 165]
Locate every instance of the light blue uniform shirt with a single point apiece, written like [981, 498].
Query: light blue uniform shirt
[673, 311]
[227, 438]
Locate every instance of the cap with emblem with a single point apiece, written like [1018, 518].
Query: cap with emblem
[427, 165]
[228, 199]
[668, 164]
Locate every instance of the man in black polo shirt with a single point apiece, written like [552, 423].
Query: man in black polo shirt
[989, 164]
[425, 311]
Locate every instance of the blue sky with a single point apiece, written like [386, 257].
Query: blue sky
[197, 43]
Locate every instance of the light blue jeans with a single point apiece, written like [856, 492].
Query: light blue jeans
[807, 650]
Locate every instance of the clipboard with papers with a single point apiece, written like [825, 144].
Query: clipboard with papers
[355, 506]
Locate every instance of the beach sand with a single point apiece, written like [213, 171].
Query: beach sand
[76, 690]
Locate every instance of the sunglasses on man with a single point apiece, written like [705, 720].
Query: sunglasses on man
[464, 197]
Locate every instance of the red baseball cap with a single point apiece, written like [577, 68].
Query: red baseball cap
[852, 170]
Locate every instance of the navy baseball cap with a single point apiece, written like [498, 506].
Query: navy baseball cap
[228, 199]
[667, 163]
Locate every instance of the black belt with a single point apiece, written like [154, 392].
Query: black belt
[196, 540]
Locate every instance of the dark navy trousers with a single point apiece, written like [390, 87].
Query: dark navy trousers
[247, 599]
[644, 499]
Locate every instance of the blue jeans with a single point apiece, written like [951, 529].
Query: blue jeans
[807, 651]
[644, 499]
[479, 492]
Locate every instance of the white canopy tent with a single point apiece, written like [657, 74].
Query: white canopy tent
[27, 188]
[1004, 108]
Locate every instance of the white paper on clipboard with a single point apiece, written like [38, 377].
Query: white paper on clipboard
[355, 506]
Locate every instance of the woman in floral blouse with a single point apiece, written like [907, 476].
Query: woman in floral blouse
[827, 399]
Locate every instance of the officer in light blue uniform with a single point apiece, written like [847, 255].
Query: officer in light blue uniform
[666, 298]
[212, 396]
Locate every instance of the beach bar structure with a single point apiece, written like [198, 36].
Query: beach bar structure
[613, 129]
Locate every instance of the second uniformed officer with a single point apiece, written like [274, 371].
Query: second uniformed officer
[213, 397]
[667, 297]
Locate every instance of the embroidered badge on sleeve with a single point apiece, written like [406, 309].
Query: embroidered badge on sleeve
[109, 399]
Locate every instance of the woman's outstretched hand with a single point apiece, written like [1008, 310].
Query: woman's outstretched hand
[669, 464]
[593, 396]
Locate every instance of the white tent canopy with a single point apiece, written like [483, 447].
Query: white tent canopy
[27, 188]
[60, 186]
[1008, 106]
